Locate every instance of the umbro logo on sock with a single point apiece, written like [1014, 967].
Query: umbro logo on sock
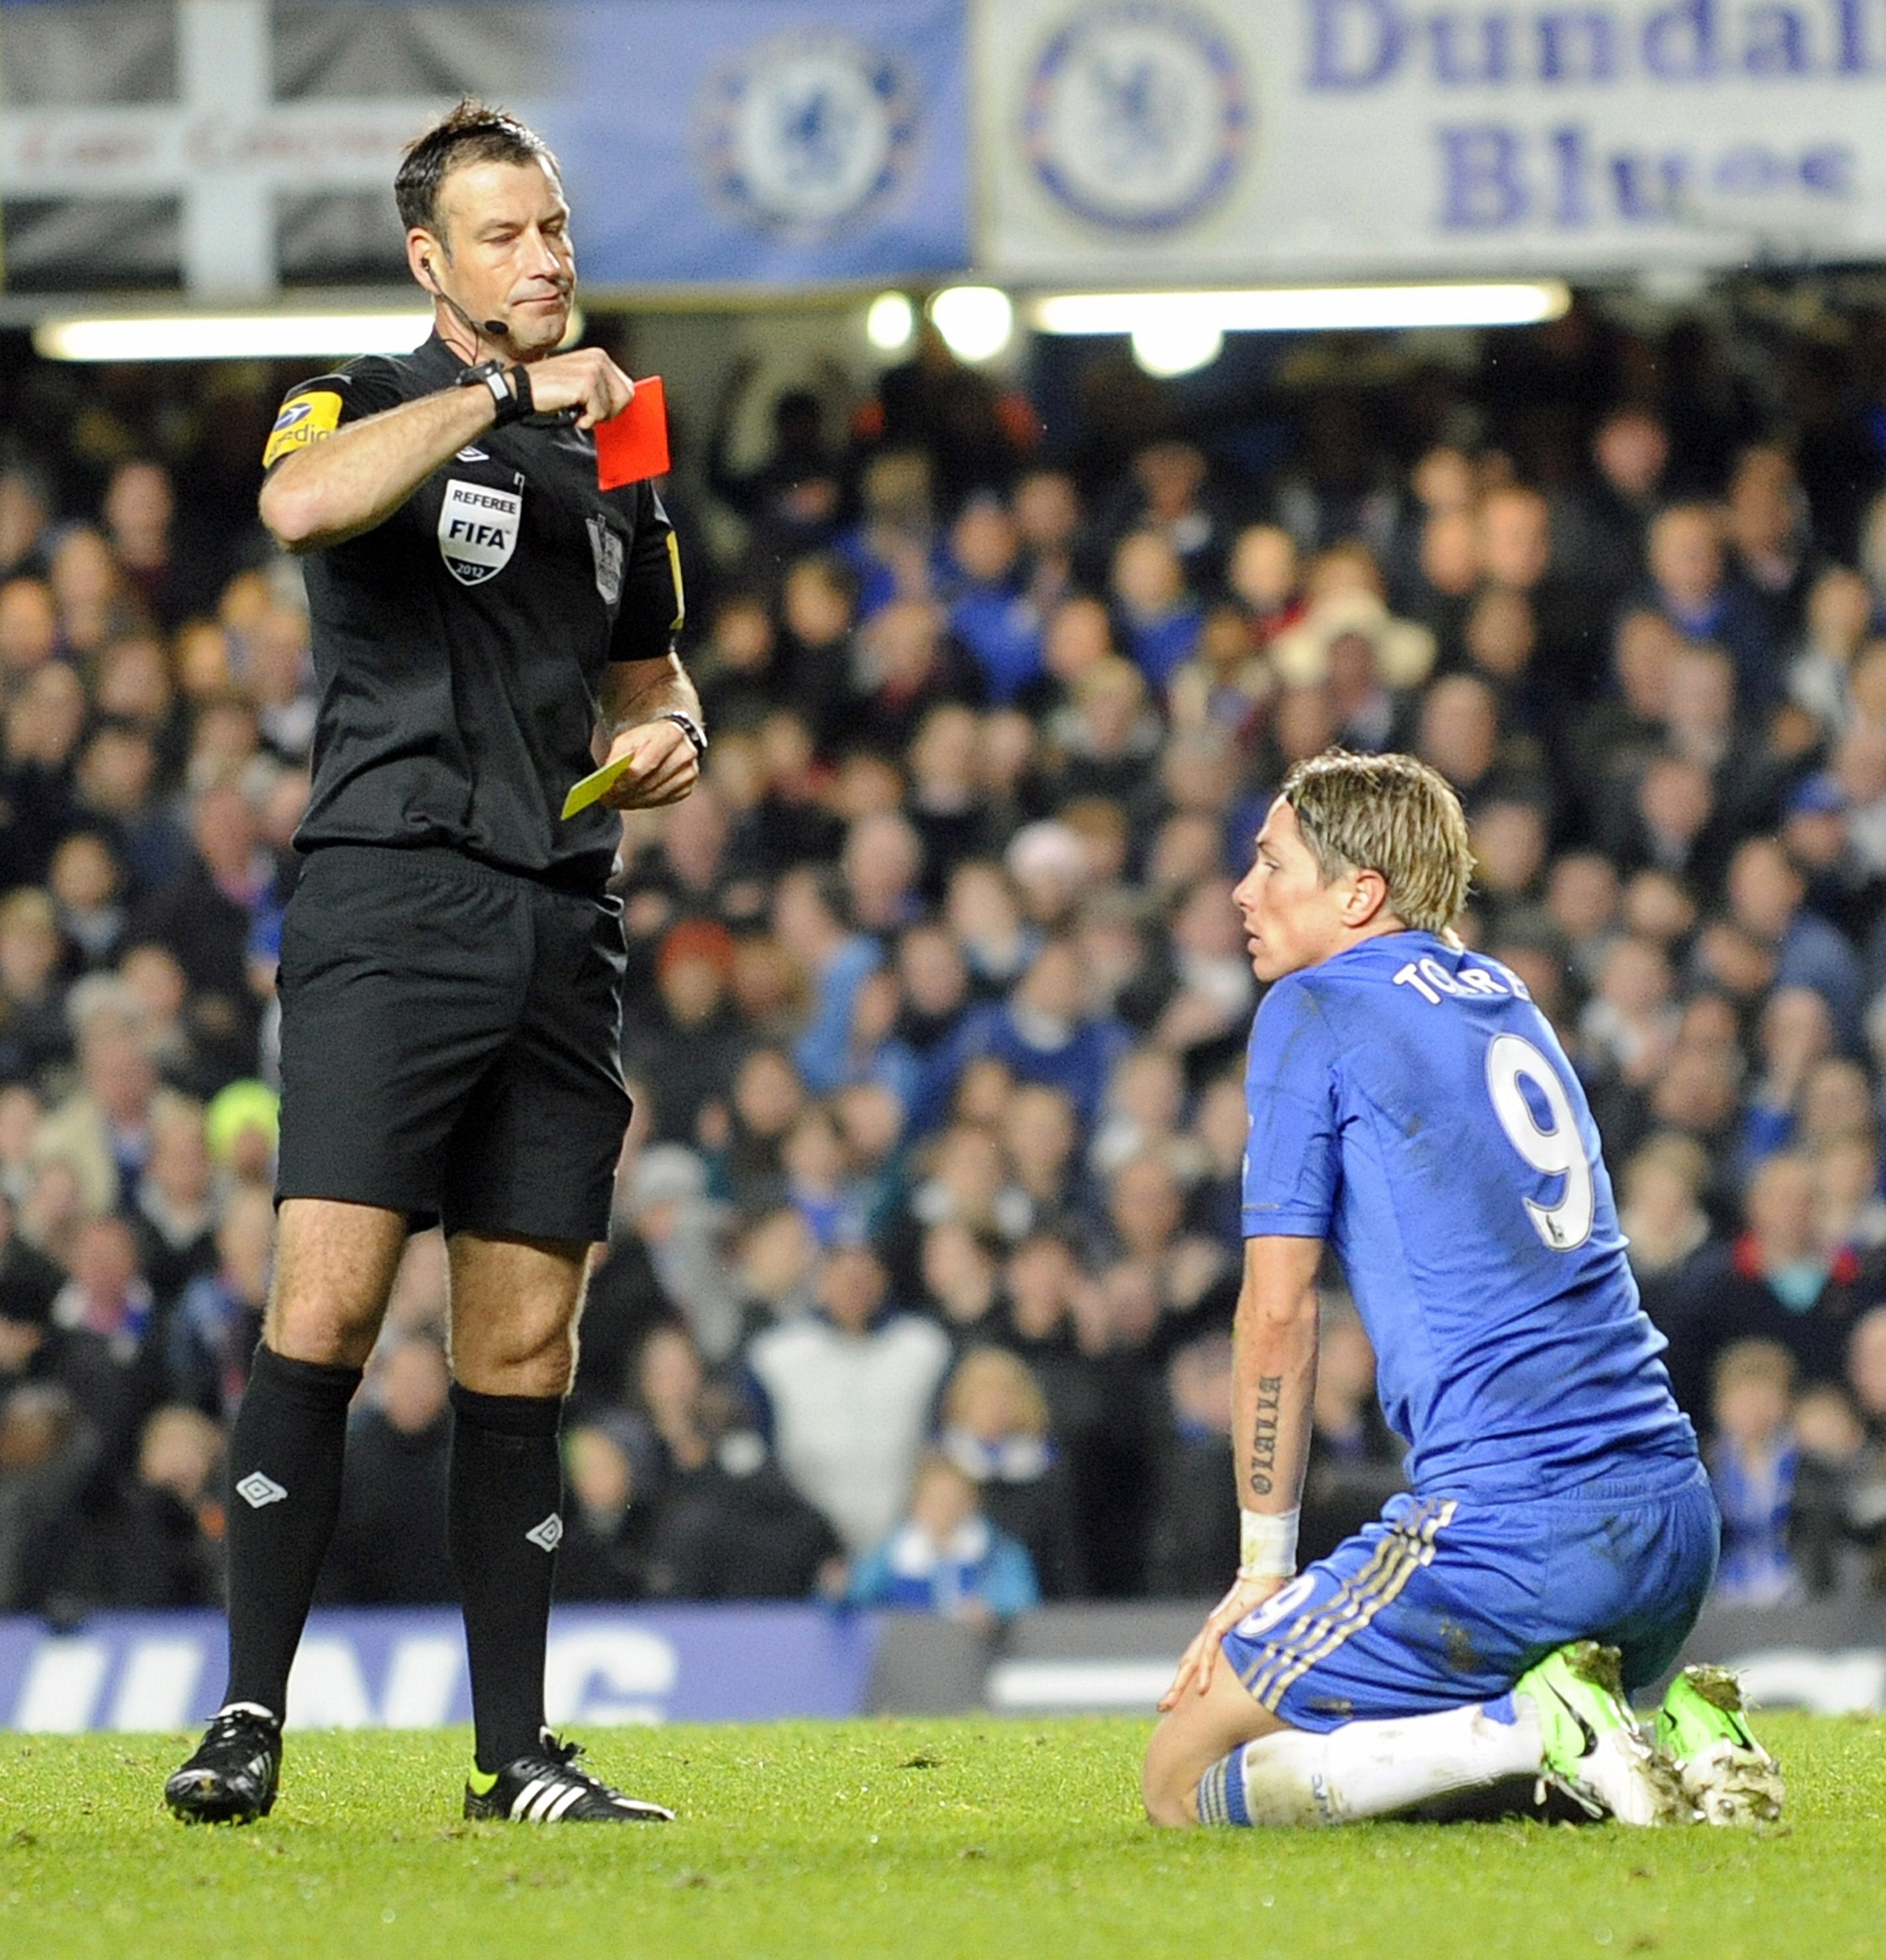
[256, 1490]
[549, 1534]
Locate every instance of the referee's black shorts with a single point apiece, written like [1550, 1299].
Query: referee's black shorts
[451, 1044]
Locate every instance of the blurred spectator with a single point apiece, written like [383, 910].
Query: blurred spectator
[218, 1320]
[1612, 514]
[728, 1525]
[30, 1283]
[1107, 737]
[972, 433]
[45, 717]
[109, 1353]
[139, 507]
[1225, 685]
[1159, 620]
[806, 919]
[994, 1426]
[1779, 1283]
[880, 863]
[48, 1450]
[26, 516]
[389, 1545]
[604, 1553]
[166, 1547]
[1689, 585]
[96, 601]
[959, 1279]
[34, 1033]
[819, 616]
[103, 1130]
[176, 1219]
[983, 912]
[1753, 1464]
[1039, 1135]
[203, 914]
[947, 805]
[738, 673]
[846, 1396]
[1195, 1533]
[29, 628]
[907, 666]
[793, 498]
[689, 1041]
[1796, 1032]
[946, 1558]
[990, 613]
[1043, 1032]
[1768, 539]
[1047, 519]
[1661, 1211]
[684, 1231]
[1765, 899]
[1839, 612]
[1355, 1460]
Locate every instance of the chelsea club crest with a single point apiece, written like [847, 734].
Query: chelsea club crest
[1137, 116]
[803, 133]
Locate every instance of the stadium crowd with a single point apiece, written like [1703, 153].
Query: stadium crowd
[927, 1231]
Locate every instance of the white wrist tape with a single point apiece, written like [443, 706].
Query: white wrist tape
[1267, 1545]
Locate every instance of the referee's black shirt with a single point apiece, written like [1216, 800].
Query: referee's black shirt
[461, 644]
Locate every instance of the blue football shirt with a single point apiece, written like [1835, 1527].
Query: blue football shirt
[1410, 1105]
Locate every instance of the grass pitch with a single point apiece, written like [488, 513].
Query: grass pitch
[905, 1838]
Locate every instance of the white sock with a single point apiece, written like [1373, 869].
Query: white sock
[1372, 1769]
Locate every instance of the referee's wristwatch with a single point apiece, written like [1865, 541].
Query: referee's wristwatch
[510, 388]
[696, 735]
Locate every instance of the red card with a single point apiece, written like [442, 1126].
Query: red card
[633, 446]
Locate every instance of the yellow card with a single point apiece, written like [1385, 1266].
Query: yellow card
[597, 783]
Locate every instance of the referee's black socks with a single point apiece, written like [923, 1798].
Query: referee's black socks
[284, 1478]
[506, 1518]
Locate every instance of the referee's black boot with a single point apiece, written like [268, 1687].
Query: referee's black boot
[232, 1779]
[546, 1787]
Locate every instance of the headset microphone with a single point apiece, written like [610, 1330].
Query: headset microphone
[490, 330]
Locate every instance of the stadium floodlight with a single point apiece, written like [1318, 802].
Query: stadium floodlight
[238, 336]
[1168, 347]
[1304, 309]
[890, 323]
[976, 322]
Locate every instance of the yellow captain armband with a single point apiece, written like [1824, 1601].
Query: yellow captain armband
[304, 419]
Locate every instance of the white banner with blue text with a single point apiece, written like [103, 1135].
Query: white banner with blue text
[1137, 141]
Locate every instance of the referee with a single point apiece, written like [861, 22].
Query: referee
[452, 962]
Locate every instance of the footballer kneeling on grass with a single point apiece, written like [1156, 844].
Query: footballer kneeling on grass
[1411, 1109]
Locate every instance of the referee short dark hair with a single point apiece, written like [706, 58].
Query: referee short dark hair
[473, 132]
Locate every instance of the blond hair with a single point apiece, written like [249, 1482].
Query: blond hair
[27, 908]
[1767, 1362]
[1027, 1406]
[1390, 814]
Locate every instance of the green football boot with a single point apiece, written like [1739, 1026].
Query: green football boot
[1726, 1774]
[1593, 1749]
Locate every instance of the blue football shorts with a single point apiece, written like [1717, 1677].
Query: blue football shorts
[1445, 1600]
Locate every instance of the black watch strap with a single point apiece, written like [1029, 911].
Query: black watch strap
[510, 388]
[696, 735]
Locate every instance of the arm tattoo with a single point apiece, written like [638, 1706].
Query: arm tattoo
[1263, 1438]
